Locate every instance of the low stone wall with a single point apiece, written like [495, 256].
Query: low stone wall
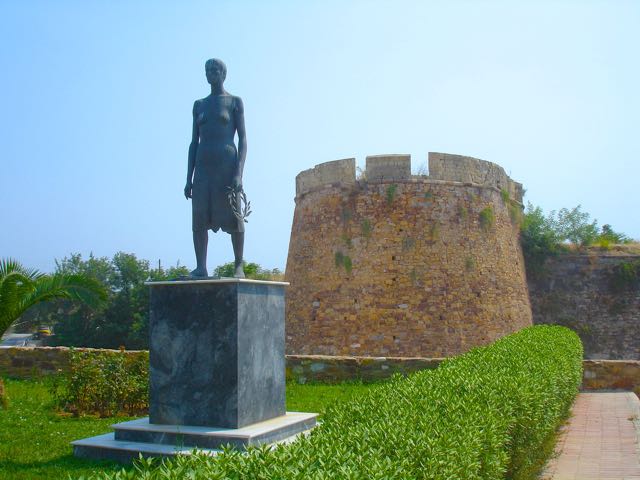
[611, 375]
[329, 369]
[29, 362]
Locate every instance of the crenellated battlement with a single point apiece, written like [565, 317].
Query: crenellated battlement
[338, 171]
[397, 167]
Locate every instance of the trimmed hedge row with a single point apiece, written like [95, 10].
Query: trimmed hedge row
[483, 415]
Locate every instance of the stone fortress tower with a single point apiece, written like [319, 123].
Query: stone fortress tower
[394, 264]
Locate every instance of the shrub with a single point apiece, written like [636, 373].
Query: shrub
[608, 236]
[483, 415]
[104, 383]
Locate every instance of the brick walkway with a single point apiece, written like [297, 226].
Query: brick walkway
[600, 440]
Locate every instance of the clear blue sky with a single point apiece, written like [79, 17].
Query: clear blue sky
[95, 115]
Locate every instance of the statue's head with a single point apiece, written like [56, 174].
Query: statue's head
[215, 70]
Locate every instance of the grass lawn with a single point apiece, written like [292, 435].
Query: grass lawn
[34, 440]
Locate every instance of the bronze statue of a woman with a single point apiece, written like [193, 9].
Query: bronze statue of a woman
[214, 166]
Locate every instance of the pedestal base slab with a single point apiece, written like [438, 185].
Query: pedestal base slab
[152, 440]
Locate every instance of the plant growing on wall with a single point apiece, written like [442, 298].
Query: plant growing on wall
[348, 265]
[626, 276]
[463, 213]
[346, 214]
[342, 260]
[408, 243]
[487, 218]
[434, 231]
[366, 228]
[391, 193]
[469, 263]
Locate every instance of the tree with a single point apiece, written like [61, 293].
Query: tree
[538, 238]
[124, 319]
[574, 226]
[251, 270]
[22, 288]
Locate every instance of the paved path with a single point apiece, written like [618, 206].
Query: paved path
[600, 440]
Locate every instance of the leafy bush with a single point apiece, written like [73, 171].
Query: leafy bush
[484, 415]
[104, 383]
[609, 237]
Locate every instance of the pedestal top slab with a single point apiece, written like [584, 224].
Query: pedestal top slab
[216, 280]
[290, 419]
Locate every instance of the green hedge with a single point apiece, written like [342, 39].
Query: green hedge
[488, 414]
[104, 383]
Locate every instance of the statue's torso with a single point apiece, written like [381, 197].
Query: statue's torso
[216, 158]
[215, 117]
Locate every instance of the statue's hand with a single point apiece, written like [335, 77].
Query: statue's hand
[187, 190]
[237, 182]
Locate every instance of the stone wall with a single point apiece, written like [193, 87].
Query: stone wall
[397, 266]
[458, 168]
[395, 167]
[325, 174]
[611, 375]
[577, 291]
[29, 362]
[597, 374]
[327, 369]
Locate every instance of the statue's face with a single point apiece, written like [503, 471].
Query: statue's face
[215, 73]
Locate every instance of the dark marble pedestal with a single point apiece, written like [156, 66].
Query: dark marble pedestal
[216, 352]
[217, 373]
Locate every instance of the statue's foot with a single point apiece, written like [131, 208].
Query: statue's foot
[239, 272]
[199, 273]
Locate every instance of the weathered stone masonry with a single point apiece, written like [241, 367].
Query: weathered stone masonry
[402, 265]
[576, 291]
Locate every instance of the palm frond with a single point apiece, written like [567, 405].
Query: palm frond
[10, 266]
[69, 286]
[21, 288]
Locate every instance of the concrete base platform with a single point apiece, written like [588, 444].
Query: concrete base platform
[153, 440]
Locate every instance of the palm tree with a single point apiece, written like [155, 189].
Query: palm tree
[21, 288]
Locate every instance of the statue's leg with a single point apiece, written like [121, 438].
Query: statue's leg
[237, 240]
[200, 241]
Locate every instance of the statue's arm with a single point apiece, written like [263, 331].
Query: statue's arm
[242, 139]
[193, 149]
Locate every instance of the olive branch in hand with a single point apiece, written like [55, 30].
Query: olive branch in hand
[242, 208]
